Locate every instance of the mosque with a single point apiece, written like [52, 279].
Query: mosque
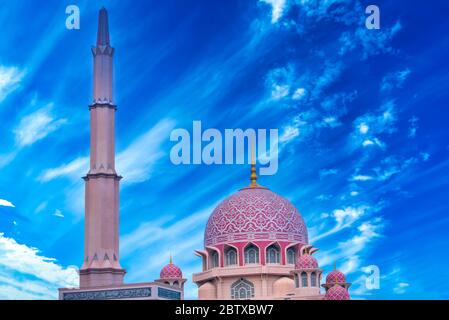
[255, 241]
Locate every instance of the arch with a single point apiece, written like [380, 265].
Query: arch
[291, 255]
[230, 256]
[251, 254]
[214, 259]
[296, 281]
[313, 279]
[304, 279]
[176, 283]
[242, 289]
[273, 254]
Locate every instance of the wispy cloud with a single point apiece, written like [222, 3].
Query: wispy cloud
[74, 169]
[401, 287]
[343, 218]
[139, 158]
[36, 126]
[58, 213]
[10, 78]
[277, 8]
[394, 80]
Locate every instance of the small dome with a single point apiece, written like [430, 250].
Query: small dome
[336, 276]
[171, 271]
[337, 292]
[283, 286]
[306, 261]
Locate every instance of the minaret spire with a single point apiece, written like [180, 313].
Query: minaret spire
[103, 55]
[253, 176]
[101, 237]
[103, 28]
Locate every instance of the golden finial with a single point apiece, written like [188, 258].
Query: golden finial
[335, 265]
[253, 176]
[171, 259]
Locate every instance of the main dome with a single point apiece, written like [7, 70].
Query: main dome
[255, 213]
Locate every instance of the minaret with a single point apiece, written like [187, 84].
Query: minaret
[101, 265]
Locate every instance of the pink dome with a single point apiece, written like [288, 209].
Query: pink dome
[171, 271]
[336, 276]
[255, 213]
[306, 261]
[337, 292]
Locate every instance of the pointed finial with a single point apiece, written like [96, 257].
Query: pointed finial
[253, 176]
[103, 28]
[171, 259]
[335, 265]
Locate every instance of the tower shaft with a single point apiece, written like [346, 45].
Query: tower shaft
[101, 265]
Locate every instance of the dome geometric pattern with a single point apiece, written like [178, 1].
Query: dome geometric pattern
[336, 276]
[255, 214]
[337, 292]
[306, 261]
[171, 271]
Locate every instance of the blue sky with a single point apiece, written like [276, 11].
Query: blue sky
[362, 117]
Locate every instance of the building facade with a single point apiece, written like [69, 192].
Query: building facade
[256, 247]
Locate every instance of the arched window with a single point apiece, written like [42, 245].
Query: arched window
[273, 254]
[313, 279]
[296, 281]
[242, 289]
[176, 283]
[214, 259]
[291, 256]
[231, 257]
[251, 254]
[303, 279]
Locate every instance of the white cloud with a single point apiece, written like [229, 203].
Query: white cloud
[367, 42]
[361, 177]
[331, 72]
[413, 128]
[58, 213]
[350, 250]
[344, 218]
[279, 81]
[139, 158]
[43, 275]
[136, 161]
[368, 127]
[6, 203]
[327, 172]
[277, 9]
[279, 92]
[10, 78]
[74, 169]
[401, 287]
[299, 94]
[394, 80]
[36, 126]
[373, 142]
[289, 133]
[363, 128]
